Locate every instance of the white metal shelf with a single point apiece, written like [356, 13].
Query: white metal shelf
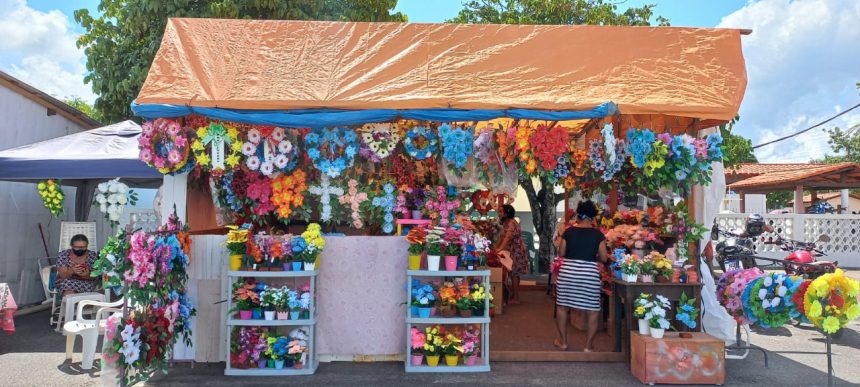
[442, 367]
[307, 370]
[273, 274]
[448, 320]
[270, 323]
[447, 273]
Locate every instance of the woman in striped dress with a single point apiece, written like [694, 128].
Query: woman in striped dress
[579, 282]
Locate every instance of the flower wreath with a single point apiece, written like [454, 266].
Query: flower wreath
[457, 144]
[378, 141]
[354, 198]
[831, 301]
[224, 146]
[164, 145]
[767, 300]
[736, 284]
[323, 145]
[420, 142]
[798, 300]
[548, 144]
[386, 203]
[269, 150]
[288, 193]
[325, 191]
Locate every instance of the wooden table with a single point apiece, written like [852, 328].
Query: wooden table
[628, 291]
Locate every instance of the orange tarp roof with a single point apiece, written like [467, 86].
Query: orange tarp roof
[256, 64]
[772, 177]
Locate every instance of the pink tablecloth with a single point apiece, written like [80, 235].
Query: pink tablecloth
[7, 309]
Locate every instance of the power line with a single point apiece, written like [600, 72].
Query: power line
[809, 128]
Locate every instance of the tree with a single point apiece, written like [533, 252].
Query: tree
[86, 108]
[845, 145]
[736, 148]
[121, 42]
[541, 193]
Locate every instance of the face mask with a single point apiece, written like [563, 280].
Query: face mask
[79, 252]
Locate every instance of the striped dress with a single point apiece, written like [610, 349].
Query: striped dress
[579, 284]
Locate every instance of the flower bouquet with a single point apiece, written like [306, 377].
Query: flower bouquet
[268, 300]
[416, 237]
[423, 299]
[453, 239]
[245, 298]
[479, 295]
[830, 301]
[277, 350]
[687, 311]
[471, 345]
[52, 196]
[435, 248]
[111, 197]
[629, 265]
[448, 299]
[432, 345]
[416, 342]
[237, 244]
[641, 305]
[655, 313]
[452, 347]
[314, 245]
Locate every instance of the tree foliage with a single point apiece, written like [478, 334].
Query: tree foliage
[736, 148]
[86, 108]
[540, 192]
[121, 42]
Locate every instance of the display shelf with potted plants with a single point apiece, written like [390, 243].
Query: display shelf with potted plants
[447, 348]
[256, 351]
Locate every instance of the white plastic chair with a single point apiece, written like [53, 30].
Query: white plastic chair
[64, 311]
[89, 330]
[70, 229]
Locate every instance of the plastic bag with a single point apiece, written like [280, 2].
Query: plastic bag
[716, 321]
[459, 177]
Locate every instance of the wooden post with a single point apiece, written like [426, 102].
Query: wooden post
[799, 208]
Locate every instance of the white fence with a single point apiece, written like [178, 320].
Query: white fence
[843, 230]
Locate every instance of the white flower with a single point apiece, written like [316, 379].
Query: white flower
[278, 134]
[281, 161]
[782, 290]
[663, 300]
[111, 258]
[249, 149]
[111, 198]
[285, 147]
[114, 216]
[103, 207]
[254, 136]
[660, 312]
[664, 324]
[103, 187]
[267, 168]
[765, 304]
[122, 188]
[780, 279]
[775, 302]
[253, 163]
[762, 294]
[112, 187]
[768, 281]
[101, 199]
[122, 199]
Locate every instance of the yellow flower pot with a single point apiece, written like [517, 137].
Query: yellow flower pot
[236, 261]
[432, 361]
[414, 262]
[452, 360]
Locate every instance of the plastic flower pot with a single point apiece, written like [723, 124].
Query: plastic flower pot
[451, 262]
[310, 266]
[619, 275]
[413, 311]
[432, 311]
[298, 365]
[692, 276]
[288, 363]
[433, 262]
[432, 361]
[657, 333]
[261, 363]
[288, 266]
[270, 363]
[236, 261]
[478, 312]
[629, 278]
[406, 215]
[424, 312]
[257, 314]
[452, 360]
[646, 278]
[414, 262]
[269, 315]
[295, 315]
[297, 266]
[245, 314]
[283, 315]
[470, 360]
[417, 360]
[644, 328]
[448, 311]
[279, 364]
[306, 314]
[416, 214]
[465, 313]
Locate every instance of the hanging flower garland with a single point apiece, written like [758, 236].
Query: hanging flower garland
[378, 141]
[288, 193]
[331, 150]
[420, 142]
[111, 197]
[505, 138]
[457, 144]
[440, 208]
[386, 203]
[270, 150]
[224, 147]
[490, 168]
[830, 302]
[767, 300]
[354, 198]
[52, 196]
[164, 145]
[522, 146]
[325, 191]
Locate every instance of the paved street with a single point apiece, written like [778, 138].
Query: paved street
[33, 356]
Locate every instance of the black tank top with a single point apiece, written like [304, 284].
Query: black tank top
[582, 243]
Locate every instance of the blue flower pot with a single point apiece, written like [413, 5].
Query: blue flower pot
[279, 364]
[297, 266]
[288, 363]
[257, 314]
[618, 274]
[294, 315]
[424, 312]
[414, 311]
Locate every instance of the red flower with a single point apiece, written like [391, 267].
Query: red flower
[799, 294]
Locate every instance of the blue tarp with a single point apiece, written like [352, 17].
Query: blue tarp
[310, 118]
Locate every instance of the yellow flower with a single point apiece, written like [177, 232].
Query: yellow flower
[821, 287]
[232, 160]
[202, 132]
[236, 146]
[233, 134]
[41, 186]
[203, 159]
[831, 325]
[197, 146]
[814, 309]
[640, 310]
[853, 312]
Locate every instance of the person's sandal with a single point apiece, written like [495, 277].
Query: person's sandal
[558, 345]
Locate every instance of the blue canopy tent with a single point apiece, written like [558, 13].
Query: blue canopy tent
[82, 160]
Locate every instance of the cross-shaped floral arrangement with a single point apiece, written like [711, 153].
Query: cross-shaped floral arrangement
[325, 191]
[354, 198]
[386, 202]
[440, 207]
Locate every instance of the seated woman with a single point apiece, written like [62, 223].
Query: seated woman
[74, 266]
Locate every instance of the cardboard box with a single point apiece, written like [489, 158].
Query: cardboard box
[496, 274]
[699, 359]
[498, 298]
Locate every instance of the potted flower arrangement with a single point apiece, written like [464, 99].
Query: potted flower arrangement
[416, 237]
[423, 299]
[281, 301]
[641, 306]
[662, 267]
[656, 315]
[435, 247]
[471, 348]
[277, 350]
[452, 347]
[415, 199]
[432, 345]
[294, 304]
[647, 269]
[315, 245]
[465, 306]
[479, 296]
[629, 266]
[276, 254]
[296, 351]
[237, 240]
[416, 342]
[299, 245]
[245, 299]
[687, 312]
[447, 306]
[453, 247]
[268, 302]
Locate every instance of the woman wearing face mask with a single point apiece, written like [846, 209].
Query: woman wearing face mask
[74, 266]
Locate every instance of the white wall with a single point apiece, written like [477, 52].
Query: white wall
[22, 122]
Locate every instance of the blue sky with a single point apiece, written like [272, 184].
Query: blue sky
[802, 58]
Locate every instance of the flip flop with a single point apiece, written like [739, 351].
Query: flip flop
[558, 345]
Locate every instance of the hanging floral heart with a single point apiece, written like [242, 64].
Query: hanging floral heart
[270, 150]
[217, 147]
[420, 142]
[378, 141]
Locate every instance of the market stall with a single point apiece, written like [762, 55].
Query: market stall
[369, 115]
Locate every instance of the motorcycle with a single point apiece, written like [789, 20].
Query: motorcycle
[804, 257]
[735, 252]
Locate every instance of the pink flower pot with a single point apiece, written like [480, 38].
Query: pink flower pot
[245, 314]
[470, 360]
[417, 360]
[406, 214]
[451, 262]
[283, 315]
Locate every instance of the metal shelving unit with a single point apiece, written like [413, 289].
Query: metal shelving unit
[312, 360]
[483, 363]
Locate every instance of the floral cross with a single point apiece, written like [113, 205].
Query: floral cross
[386, 202]
[325, 191]
[440, 207]
[354, 199]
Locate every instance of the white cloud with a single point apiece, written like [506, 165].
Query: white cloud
[39, 48]
[802, 62]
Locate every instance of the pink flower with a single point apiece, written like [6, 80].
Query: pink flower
[180, 141]
[173, 156]
[145, 155]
